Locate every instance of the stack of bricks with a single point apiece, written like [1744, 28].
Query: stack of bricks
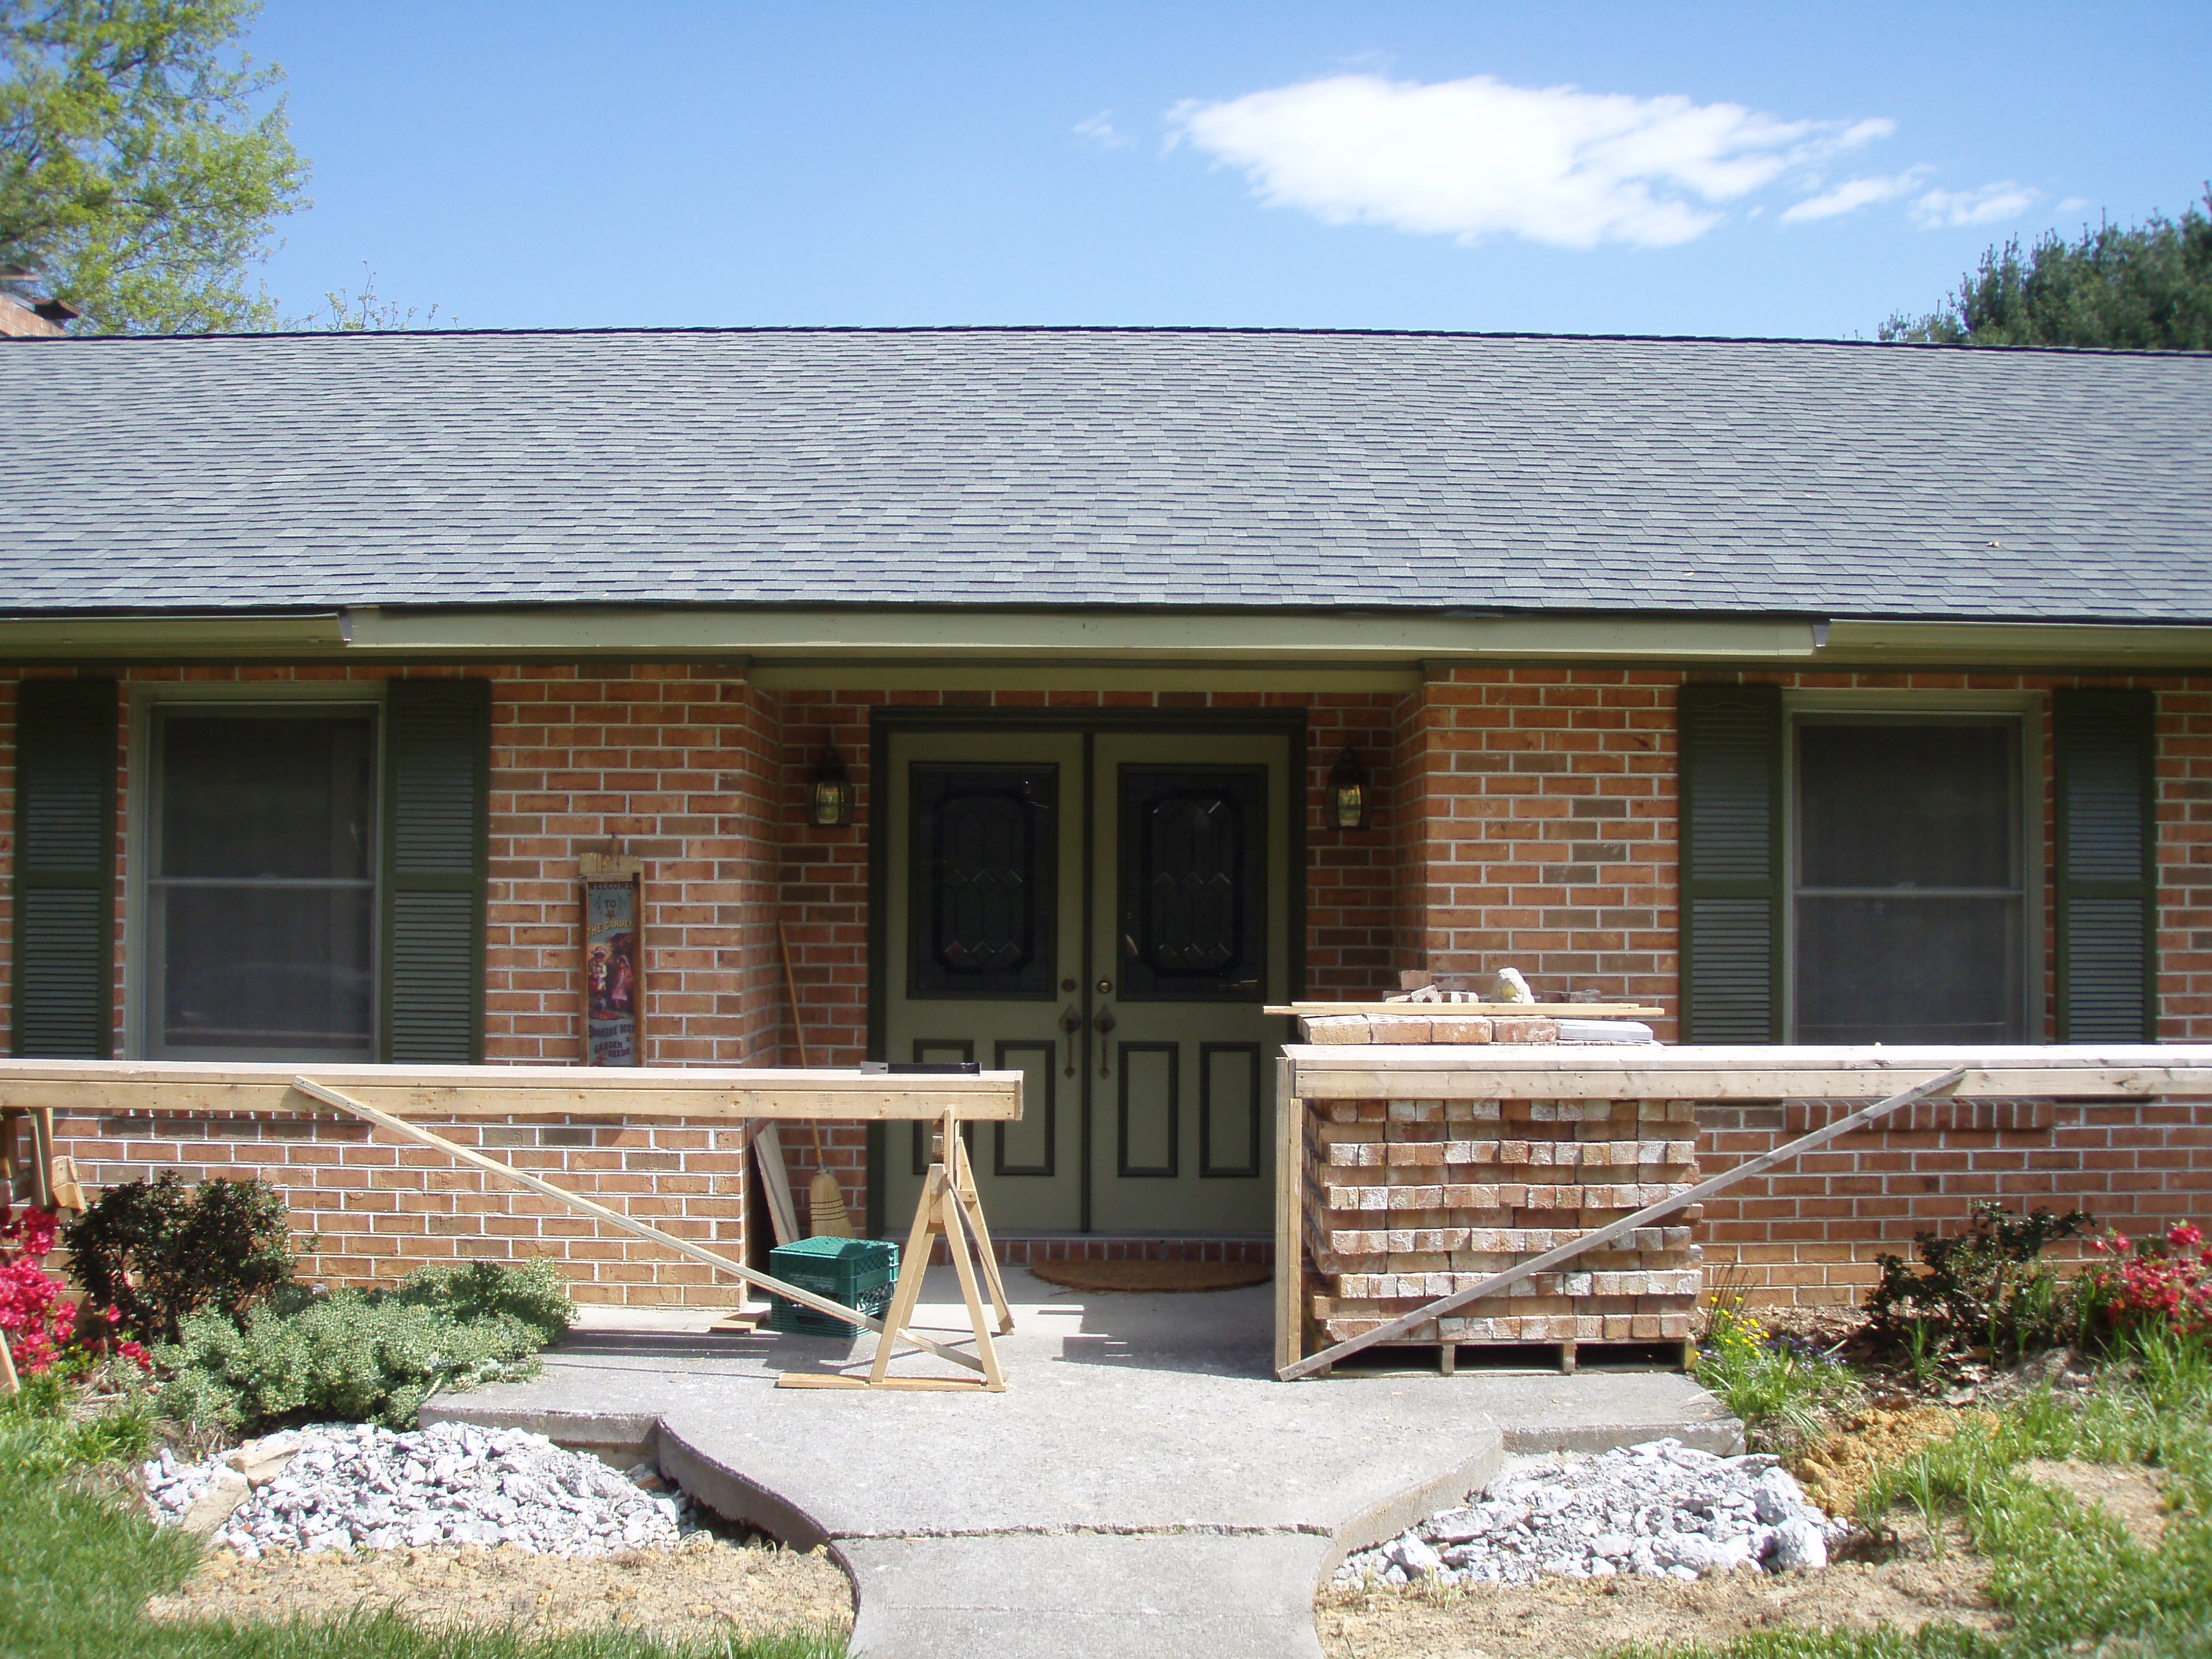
[1419, 1025]
[1409, 1200]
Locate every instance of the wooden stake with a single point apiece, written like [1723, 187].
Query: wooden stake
[7, 1383]
[1613, 1230]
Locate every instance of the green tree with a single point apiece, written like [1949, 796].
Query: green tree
[2141, 287]
[137, 176]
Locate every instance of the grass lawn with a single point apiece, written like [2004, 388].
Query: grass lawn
[2070, 1576]
[78, 1564]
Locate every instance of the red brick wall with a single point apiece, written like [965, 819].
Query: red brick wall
[1540, 827]
[1809, 1232]
[1523, 815]
[678, 763]
[383, 1206]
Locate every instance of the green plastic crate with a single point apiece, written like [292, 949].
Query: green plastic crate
[860, 1272]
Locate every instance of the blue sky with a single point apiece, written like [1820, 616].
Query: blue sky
[1797, 169]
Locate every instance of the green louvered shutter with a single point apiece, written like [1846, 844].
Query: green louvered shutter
[64, 965]
[437, 763]
[1732, 866]
[2107, 866]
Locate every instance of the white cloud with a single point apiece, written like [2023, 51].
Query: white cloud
[1100, 130]
[1940, 209]
[1477, 158]
[2074, 204]
[1851, 195]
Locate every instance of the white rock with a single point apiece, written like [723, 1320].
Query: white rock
[1797, 1547]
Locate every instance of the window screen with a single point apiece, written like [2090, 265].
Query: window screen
[261, 891]
[1908, 893]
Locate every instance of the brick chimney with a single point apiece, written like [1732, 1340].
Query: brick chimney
[23, 316]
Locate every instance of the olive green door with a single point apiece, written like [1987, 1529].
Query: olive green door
[1107, 913]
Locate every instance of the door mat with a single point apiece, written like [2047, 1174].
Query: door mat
[1153, 1275]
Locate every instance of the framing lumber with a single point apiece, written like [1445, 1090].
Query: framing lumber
[721, 1263]
[1543, 1071]
[730, 1094]
[1290, 1217]
[1486, 1010]
[1944, 1083]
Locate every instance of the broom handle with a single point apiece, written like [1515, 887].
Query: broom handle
[797, 1023]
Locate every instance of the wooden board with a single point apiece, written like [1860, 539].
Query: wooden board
[1485, 1009]
[732, 1094]
[1290, 1215]
[1475, 1073]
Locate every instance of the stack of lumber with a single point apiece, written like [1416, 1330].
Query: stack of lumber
[1407, 1201]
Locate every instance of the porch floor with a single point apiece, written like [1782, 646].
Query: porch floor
[1144, 1487]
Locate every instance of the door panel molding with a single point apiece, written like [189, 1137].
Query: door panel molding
[1044, 1114]
[1174, 1095]
[1246, 1146]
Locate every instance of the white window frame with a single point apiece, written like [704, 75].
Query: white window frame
[141, 801]
[2029, 709]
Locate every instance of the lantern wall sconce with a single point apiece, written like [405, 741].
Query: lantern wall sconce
[829, 801]
[1348, 803]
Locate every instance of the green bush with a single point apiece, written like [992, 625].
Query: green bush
[363, 1356]
[160, 1252]
[1986, 1287]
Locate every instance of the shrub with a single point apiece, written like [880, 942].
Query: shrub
[374, 1355]
[42, 1326]
[160, 1252]
[1986, 1287]
[2159, 1285]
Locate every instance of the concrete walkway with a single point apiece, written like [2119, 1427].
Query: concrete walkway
[1144, 1487]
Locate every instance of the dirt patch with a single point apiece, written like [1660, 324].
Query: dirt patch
[1837, 1471]
[1570, 1619]
[2126, 1491]
[705, 1587]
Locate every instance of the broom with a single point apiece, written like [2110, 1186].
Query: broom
[825, 1198]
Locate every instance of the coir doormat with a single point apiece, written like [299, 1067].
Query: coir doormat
[1153, 1275]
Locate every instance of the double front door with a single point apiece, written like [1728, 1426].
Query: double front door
[1103, 912]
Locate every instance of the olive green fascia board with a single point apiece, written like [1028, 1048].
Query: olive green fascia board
[974, 674]
[811, 636]
[2074, 648]
[60, 639]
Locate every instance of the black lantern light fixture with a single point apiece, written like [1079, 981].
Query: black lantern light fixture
[1347, 793]
[830, 802]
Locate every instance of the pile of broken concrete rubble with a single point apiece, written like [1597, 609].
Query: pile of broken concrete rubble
[1661, 1510]
[345, 1486]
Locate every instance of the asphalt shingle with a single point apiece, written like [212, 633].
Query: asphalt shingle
[1137, 467]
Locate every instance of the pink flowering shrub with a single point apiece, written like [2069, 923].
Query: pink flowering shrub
[41, 1324]
[2160, 1285]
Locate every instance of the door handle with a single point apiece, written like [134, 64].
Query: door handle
[1103, 1026]
[1070, 1022]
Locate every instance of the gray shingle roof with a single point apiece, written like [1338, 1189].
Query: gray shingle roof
[1029, 467]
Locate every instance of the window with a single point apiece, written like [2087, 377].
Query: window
[1907, 899]
[260, 884]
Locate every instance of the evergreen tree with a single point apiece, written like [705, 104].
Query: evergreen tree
[2144, 288]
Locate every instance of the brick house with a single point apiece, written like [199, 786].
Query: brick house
[1814, 692]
